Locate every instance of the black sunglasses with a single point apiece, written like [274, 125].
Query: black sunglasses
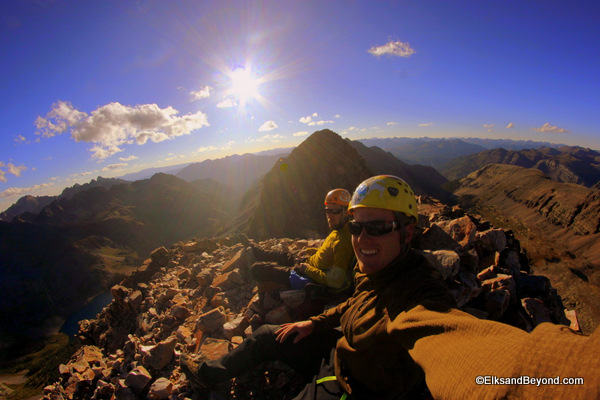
[334, 211]
[373, 228]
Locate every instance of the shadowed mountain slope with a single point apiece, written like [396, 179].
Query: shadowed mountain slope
[288, 201]
[52, 262]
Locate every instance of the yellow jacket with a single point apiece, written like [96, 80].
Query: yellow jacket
[331, 263]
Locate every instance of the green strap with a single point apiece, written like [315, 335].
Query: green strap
[328, 379]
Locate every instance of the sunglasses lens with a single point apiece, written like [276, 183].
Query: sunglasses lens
[373, 228]
[355, 228]
[334, 211]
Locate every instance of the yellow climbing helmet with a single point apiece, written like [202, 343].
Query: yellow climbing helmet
[385, 191]
[341, 197]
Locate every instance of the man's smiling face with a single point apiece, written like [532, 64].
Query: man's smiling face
[376, 252]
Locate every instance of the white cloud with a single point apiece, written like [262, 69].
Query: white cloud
[113, 125]
[488, 126]
[549, 128]
[112, 167]
[60, 119]
[20, 139]
[510, 125]
[174, 157]
[392, 48]
[15, 170]
[301, 133]
[205, 149]
[352, 128]
[203, 93]
[337, 116]
[14, 191]
[228, 145]
[227, 103]
[267, 126]
[391, 123]
[271, 138]
[318, 123]
[427, 124]
[2, 176]
[80, 175]
[130, 158]
[309, 120]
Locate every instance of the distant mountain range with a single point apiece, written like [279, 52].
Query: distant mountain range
[35, 204]
[436, 152]
[563, 164]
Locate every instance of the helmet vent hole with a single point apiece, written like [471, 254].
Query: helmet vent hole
[393, 191]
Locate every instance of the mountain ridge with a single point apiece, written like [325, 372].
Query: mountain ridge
[570, 164]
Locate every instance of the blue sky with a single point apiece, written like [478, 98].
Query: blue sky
[104, 88]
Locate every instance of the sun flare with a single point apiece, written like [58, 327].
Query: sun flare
[244, 84]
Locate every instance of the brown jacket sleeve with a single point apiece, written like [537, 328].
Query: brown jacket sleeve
[454, 349]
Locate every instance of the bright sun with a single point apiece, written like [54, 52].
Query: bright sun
[244, 85]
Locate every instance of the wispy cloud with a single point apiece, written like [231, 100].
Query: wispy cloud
[15, 191]
[270, 138]
[301, 133]
[113, 167]
[12, 169]
[203, 93]
[549, 128]
[227, 103]
[20, 139]
[81, 174]
[310, 120]
[205, 149]
[393, 48]
[510, 125]
[114, 125]
[15, 170]
[174, 157]
[268, 126]
[427, 124]
[392, 123]
[488, 125]
[130, 158]
[348, 130]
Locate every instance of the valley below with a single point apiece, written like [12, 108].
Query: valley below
[570, 261]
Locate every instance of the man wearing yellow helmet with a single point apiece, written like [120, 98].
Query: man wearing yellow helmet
[400, 327]
[328, 266]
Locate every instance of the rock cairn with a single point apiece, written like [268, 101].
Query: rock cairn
[198, 298]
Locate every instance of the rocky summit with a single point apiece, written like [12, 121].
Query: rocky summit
[198, 298]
